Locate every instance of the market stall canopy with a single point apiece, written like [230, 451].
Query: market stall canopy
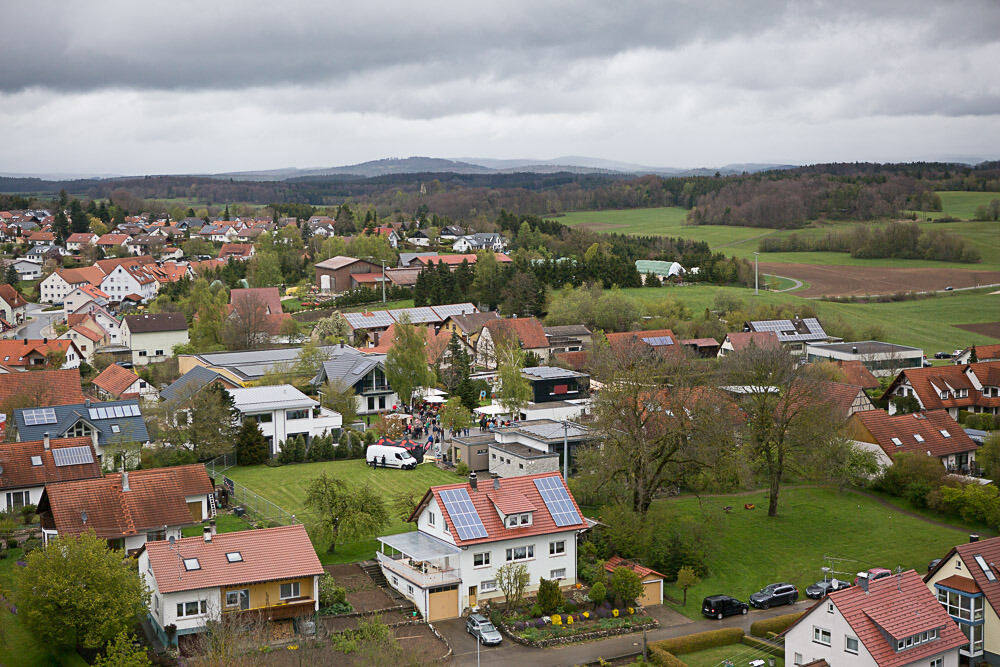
[492, 409]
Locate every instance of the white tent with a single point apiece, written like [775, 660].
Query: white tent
[433, 399]
[492, 409]
[425, 392]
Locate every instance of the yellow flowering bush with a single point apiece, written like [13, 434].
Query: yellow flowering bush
[586, 614]
[556, 619]
[631, 610]
[614, 612]
[569, 619]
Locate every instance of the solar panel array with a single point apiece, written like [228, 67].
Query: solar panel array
[37, 416]
[556, 498]
[453, 309]
[785, 329]
[115, 411]
[548, 372]
[463, 514]
[72, 456]
[422, 315]
[374, 319]
[658, 341]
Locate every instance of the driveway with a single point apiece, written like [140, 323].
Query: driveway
[672, 624]
[37, 321]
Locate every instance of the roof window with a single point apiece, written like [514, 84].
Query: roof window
[191, 564]
[36, 460]
[897, 442]
[234, 557]
[918, 437]
[115, 428]
[945, 433]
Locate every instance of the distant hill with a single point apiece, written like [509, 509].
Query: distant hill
[385, 167]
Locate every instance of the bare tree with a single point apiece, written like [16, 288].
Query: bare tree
[249, 325]
[232, 640]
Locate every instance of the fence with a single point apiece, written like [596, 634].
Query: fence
[257, 506]
[220, 464]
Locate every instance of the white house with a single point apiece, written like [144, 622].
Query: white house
[29, 466]
[273, 572]
[28, 270]
[82, 295]
[61, 282]
[283, 412]
[892, 622]
[152, 336]
[476, 242]
[465, 532]
[129, 279]
[882, 359]
[76, 241]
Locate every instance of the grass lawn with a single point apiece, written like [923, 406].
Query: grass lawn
[962, 204]
[781, 283]
[752, 550]
[666, 221]
[378, 305]
[224, 523]
[738, 654]
[17, 645]
[286, 487]
[925, 323]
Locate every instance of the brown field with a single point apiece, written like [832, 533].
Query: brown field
[862, 280]
[991, 329]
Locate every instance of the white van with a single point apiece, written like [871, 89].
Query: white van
[386, 456]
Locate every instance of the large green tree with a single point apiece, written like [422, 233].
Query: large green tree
[78, 592]
[344, 512]
[406, 366]
[251, 445]
[515, 390]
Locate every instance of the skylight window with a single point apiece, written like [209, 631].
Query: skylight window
[981, 562]
[897, 442]
[36, 460]
[234, 557]
[115, 428]
[191, 564]
[918, 437]
[945, 433]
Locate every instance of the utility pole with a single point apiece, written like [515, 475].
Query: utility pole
[383, 281]
[755, 256]
[566, 451]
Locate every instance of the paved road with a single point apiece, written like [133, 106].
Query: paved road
[672, 624]
[38, 321]
[798, 283]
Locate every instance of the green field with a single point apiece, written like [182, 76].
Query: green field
[925, 323]
[738, 654]
[751, 550]
[286, 487]
[668, 221]
[961, 204]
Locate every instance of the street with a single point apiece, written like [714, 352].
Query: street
[672, 624]
[37, 321]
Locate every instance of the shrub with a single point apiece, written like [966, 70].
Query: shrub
[7, 528]
[462, 469]
[597, 593]
[701, 640]
[549, 596]
[659, 656]
[329, 592]
[571, 606]
[536, 611]
[626, 584]
[27, 511]
[777, 625]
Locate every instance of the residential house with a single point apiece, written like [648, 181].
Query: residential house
[467, 531]
[247, 366]
[409, 259]
[418, 238]
[663, 341]
[271, 573]
[365, 324]
[111, 423]
[117, 382]
[323, 228]
[402, 277]
[130, 278]
[568, 338]
[83, 295]
[793, 334]
[77, 241]
[40, 238]
[27, 269]
[129, 508]
[43, 387]
[435, 344]
[55, 287]
[146, 244]
[933, 433]
[284, 412]
[188, 385]
[334, 274]
[218, 233]
[27, 467]
[25, 353]
[468, 326]
[261, 308]
[652, 581]
[88, 339]
[364, 373]
[707, 348]
[240, 251]
[456, 260]
[94, 316]
[967, 584]
[855, 373]
[740, 340]
[153, 336]
[892, 622]
[975, 353]
[527, 331]
[111, 241]
[451, 233]
[472, 243]
[847, 398]
[973, 387]
[524, 448]
[13, 306]
[881, 359]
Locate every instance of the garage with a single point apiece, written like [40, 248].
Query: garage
[442, 603]
[652, 581]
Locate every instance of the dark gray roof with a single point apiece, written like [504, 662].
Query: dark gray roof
[125, 424]
[191, 383]
[550, 373]
[155, 322]
[406, 257]
[567, 330]
[348, 366]
[253, 364]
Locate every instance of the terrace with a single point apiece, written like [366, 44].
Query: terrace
[419, 558]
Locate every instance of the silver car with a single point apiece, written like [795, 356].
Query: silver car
[480, 627]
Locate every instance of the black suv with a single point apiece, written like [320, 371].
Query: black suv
[825, 587]
[774, 594]
[718, 606]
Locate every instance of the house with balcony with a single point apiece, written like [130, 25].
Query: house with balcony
[465, 532]
[892, 622]
[933, 433]
[364, 372]
[283, 412]
[967, 584]
[271, 573]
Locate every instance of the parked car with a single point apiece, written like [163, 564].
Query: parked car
[719, 606]
[874, 574]
[948, 288]
[389, 457]
[942, 355]
[480, 627]
[933, 564]
[823, 588]
[774, 594]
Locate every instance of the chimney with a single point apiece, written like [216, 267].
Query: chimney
[45, 341]
[211, 526]
[87, 403]
[125, 486]
[854, 349]
[45, 441]
[863, 581]
[473, 482]
[93, 438]
[207, 534]
[973, 537]
[496, 482]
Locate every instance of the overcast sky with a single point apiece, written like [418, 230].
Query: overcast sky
[209, 86]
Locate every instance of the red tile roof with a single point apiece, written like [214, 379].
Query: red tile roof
[929, 383]
[41, 388]
[87, 332]
[644, 572]
[115, 380]
[109, 265]
[16, 352]
[235, 250]
[112, 239]
[270, 554]
[434, 343]
[455, 260]
[12, 297]
[81, 237]
[528, 330]
[700, 342]
[906, 428]
[92, 275]
[986, 352]
[765, 340]
[622, 341]
[901, 606]
[841, 395]
[856, 373]
[269, 296]
[483, 499]
[17, 471]
[576, 360]
[960, 583]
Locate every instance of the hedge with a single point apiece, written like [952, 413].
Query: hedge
[761, 645]
[700, 641]
[664, 658]
[777, 624]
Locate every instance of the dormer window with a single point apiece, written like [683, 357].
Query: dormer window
[515, 520]
[944, 394]
[916, 640]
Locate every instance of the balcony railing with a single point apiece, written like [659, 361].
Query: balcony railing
[293, 608]
[425, 575]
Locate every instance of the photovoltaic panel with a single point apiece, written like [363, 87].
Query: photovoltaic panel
[657, 341]
[38, 416]
[72, 456]
[556, 498]
[463, 514]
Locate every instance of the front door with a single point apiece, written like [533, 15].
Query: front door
[472, 595]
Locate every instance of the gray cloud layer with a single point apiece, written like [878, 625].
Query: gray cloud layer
[104, 85]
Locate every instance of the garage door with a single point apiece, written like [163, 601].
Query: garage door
[651, 593]
[195, 509]
[442, 603]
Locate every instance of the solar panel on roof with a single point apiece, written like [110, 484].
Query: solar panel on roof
[557, 499]
[37, 416]
[463, 514]
[72, 456]
[657, 341]
[135, 411]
